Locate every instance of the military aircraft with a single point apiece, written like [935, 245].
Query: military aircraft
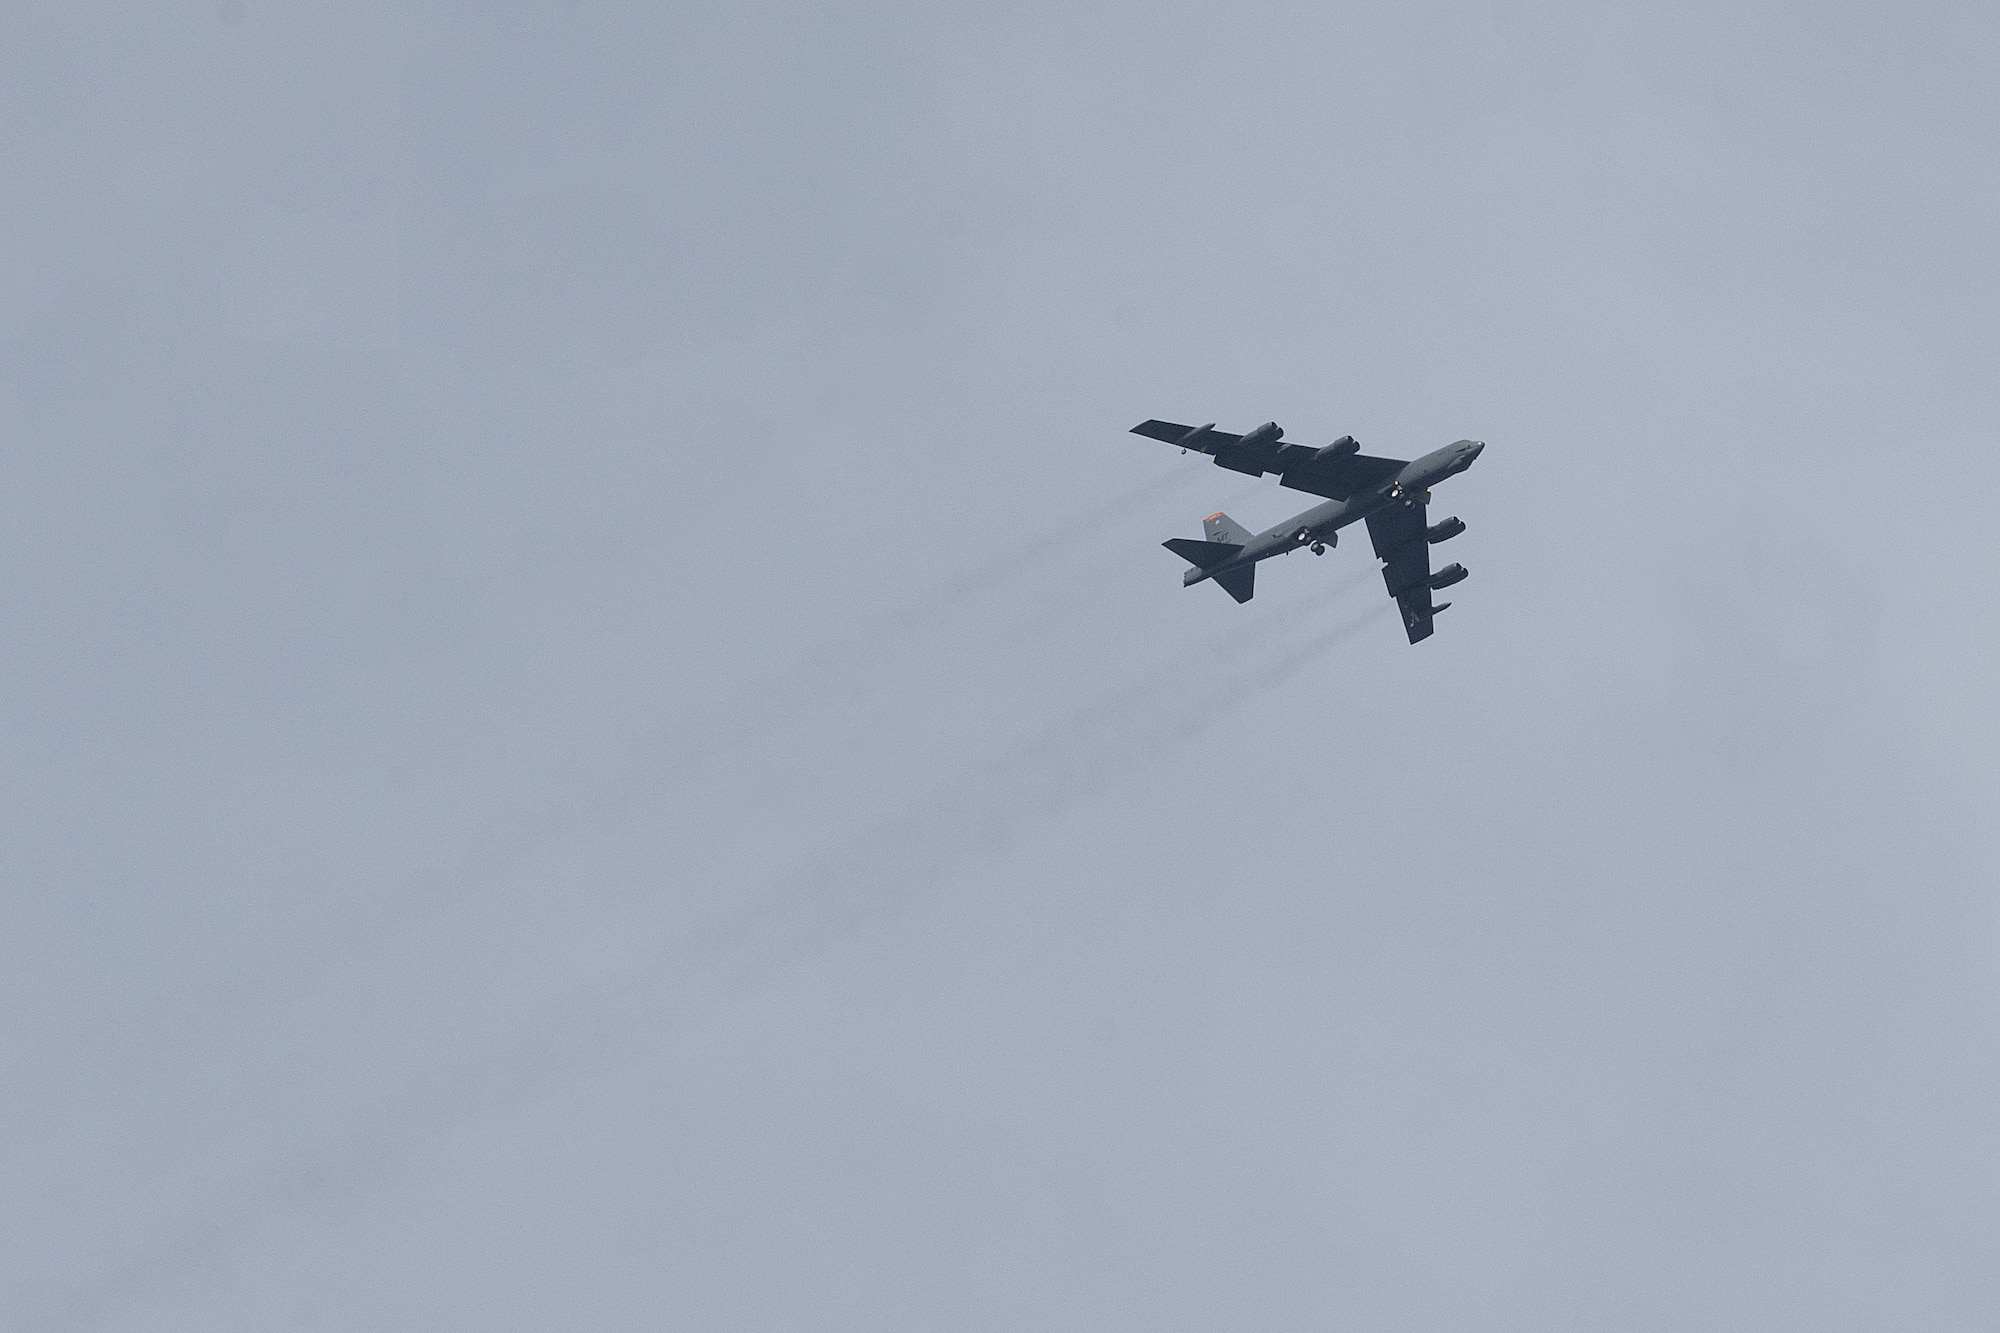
[1389, 493]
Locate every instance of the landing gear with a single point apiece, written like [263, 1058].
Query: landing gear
[1319, 548]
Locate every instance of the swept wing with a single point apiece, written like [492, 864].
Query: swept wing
[1398, 532]
[1329, 472]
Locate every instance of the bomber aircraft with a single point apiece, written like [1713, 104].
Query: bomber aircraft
[1389, 493]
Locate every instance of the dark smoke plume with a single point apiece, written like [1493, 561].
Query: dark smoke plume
[976, 817]
[676, 750]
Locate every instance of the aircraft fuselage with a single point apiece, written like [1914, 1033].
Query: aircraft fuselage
[1323, 521]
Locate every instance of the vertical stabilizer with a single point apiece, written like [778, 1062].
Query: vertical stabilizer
[1223, 528]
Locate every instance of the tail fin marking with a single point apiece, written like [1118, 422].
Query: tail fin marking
[1222, 528]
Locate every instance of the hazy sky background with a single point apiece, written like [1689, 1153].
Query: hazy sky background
[597, 735]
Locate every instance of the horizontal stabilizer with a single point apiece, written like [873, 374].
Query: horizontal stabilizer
[1206, 554]
[1239, 583]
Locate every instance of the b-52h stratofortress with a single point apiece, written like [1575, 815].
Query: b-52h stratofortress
[1389, 493]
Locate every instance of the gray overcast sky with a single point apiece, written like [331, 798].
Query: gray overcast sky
[596, 733]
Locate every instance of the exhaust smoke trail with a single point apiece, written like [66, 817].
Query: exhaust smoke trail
[677, 751]
[1051, 544]
[668, 981]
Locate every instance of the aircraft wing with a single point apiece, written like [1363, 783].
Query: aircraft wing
[1175, 433]
[1398, 533]
[1228, 449]
[1334, 478]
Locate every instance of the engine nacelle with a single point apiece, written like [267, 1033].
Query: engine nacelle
[1340, 448]
[1445, 531]
[1268, 433]
[1449, 575]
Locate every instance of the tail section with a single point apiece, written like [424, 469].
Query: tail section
[1222, 528]
[1239, 583]
[1205, 554]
